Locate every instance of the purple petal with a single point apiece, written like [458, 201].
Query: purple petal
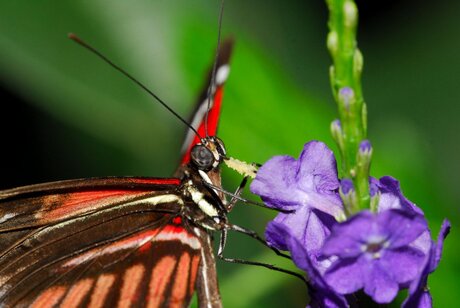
[298, 252]
[320, 293]
[419, 295]
[392, 197]
[295, 222]
[379, 285]
[329, 299]
[423, 242]
[347, 238]
[346, 276]
[401, 227]
[318, 168]
[310, 228]
[402, 264]
[273, 237]
[316, 232]
[422, 299]
[373, 186]
[275, 182]
[420, 281]
[445, 229]
[327, 203]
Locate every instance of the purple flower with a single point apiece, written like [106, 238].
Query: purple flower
[373, 252]
[321, 295]
[309, 186]
[419, 295]
[391, 197]
[379, 252]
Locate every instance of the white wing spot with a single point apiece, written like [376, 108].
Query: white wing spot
[222, 74]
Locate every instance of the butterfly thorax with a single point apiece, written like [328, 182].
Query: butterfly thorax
[204, 205]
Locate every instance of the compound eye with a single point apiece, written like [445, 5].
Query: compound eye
[202, 157]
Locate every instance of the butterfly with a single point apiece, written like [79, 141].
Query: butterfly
[122, 241]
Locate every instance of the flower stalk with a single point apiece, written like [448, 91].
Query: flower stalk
[345, 75]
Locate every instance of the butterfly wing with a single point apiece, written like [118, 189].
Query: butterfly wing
[26, 208]
[98, 242]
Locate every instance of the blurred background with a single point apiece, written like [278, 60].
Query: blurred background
[66, 114]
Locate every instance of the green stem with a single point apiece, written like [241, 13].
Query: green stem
[345, 74]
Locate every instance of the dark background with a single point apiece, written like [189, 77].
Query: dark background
[65, 114]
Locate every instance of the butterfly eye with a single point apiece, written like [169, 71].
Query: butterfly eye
[202, 157]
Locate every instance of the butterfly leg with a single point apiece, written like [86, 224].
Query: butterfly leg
[236, 197]
[257, 237]
[223, 241]
[237, 194]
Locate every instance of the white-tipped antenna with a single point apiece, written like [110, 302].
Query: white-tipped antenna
[214, 67]
[76, 39]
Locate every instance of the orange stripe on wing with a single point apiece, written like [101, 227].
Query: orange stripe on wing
[77, 292]
[101, 290]
[179, 289]
[131, 281]
[193, 272]
[49, 298]
[137, 241]
[161, 275]
[56, 207]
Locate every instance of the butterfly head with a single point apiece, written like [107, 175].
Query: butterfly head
[208, 154]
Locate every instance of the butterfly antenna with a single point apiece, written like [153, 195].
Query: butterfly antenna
[78, 40]
[214, 67]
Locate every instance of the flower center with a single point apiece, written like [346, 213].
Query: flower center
[374, 246]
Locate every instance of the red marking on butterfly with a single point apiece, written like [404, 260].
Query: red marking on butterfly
[82, 201]
[213, 121]
[106, 242]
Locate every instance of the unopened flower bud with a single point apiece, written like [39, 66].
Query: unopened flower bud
[365, 147]
[358, 63]
[364, 156]
[332, 43]
[374, 193]
[346, 186]
[350, 13]
[336, 132]
[348, 195]
[346, 97]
